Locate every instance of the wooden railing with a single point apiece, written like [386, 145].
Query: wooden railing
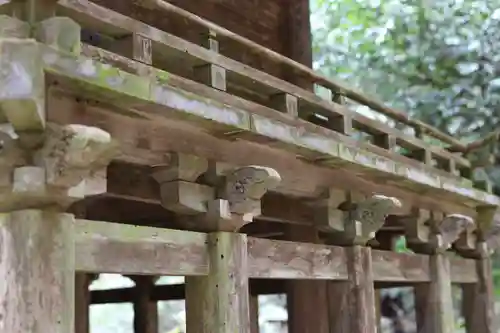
[126, 36]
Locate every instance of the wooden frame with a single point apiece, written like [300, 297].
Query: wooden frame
[227, 156]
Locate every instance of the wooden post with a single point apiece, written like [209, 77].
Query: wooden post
[82, 303]
[218, 303]
[306, 299]
[145, 309]
[37, 272]
[254, 314]
[478, 299]
[433, 300]
[297, 34]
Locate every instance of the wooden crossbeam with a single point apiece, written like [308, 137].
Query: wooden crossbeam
[125, 249]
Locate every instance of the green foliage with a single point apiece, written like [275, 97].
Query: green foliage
[436, 59]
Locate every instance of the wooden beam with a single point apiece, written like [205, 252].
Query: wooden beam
[101, 247]
[291, 260]
[38, 263]
[218, 303]
[124, 249]
[177, 292]
[147, 143]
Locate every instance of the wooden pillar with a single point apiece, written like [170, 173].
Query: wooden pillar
[37, 272]
[82, 303]
[254, 314]
[351, 305]
[145, 309]
[296, 32]
[478, 303]
[306, 299]
[219, 302]
[433, 300]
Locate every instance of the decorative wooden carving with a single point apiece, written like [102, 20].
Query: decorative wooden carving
[359, 222]
[450, 228]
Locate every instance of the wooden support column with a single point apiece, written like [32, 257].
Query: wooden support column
[82, 302]
[254, 314]
[43, 170]
[296, 31]
[433, 300]
[306, 298]
[352, 303]
[478, 303]
[37, 272]
[479, 311]
[145, 309]
[218, 303]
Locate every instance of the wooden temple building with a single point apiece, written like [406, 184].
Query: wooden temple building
[151, 138]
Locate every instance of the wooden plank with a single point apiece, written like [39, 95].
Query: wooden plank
[37, 272]
[166, 44]
[448, 184]
[124, 249]
[177, 292]
[273, 259]
[399, 267]
[305, 69]
[463, 270]
[218, 303]
[433, 300]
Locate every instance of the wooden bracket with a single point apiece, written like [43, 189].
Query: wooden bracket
[417, 228]
[359, 221]
[58, 170]
[179, 191]
[61, 33]
[449, 230]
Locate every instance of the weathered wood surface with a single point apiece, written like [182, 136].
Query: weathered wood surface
[116, 248]
[447, 187]
[173, 47]
[478, 300]
[145, 309]
[102, 247]
[294, 62]
[395, 267]
[306, 298]
[291, 260]
[361, 293]
[433, 300]
[219, 302]
[254, 313]
[37, 272]
[82, 303]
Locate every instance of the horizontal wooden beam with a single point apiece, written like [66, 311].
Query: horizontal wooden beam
[171, 292]
[147, 143]
[315, 144]
[125, 249]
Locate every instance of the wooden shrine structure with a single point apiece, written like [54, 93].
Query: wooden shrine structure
[150, 138]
